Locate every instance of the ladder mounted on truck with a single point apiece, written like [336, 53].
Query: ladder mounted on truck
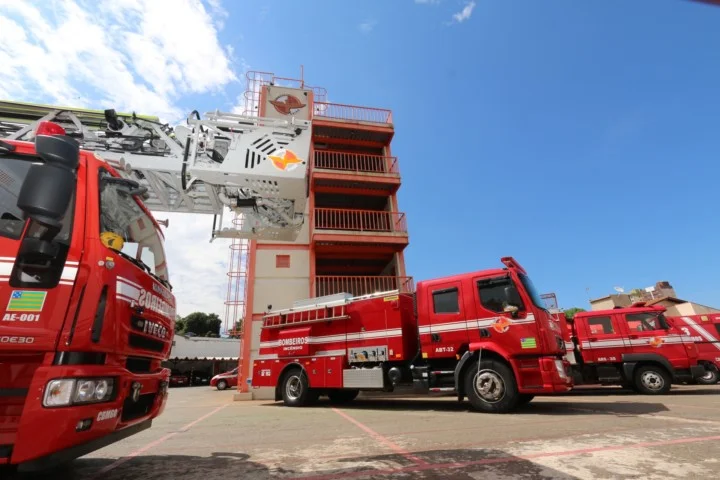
[254, 166]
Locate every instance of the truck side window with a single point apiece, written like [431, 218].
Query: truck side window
[644, 322]
[446, 301]
[600, 326]
[496, 293]
[717, 327]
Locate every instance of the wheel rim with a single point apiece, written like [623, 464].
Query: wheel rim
[652, 380]
[709, 376]
[489, 386]
[293, 387]
[221, 385]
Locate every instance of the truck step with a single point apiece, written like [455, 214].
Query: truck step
[443, 372]
[443, 389]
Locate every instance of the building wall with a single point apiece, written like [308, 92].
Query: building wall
[611, 302]
[688, 308]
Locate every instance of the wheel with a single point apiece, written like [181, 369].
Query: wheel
[652, 380]
[296, 391]
[342, 396]
[525, 398]
[710, 378]
[222, 385]
[492, 388]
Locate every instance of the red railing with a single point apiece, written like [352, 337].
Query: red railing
[332, 284]
[355, 162]
[351, 112]
[360, 220]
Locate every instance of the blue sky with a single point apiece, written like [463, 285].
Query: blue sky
[579, 137]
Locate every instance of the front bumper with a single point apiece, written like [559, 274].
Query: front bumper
[137, 399]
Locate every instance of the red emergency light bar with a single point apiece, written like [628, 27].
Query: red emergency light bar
[49, 128]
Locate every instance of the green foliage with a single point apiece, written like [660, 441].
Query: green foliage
[202, 324]
[570, 312]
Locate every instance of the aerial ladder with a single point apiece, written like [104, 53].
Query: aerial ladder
[253, 166]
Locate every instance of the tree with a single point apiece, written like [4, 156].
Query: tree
[570, 312]
[201, 324]
[180, 325]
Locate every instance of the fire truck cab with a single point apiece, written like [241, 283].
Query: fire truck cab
[704, 330]
[482, 335]
[635, 347]
[86, 308]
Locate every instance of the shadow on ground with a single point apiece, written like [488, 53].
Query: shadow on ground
[545, 407]
[461, 464]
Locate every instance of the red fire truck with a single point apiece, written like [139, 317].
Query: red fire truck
[483, 335]
[705, 332]
[636, 347]
[86, 309]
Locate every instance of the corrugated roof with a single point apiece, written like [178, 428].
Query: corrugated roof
[204, 348]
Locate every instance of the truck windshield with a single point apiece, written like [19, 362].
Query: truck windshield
[121, 214]
[13, 170]
[530, 288]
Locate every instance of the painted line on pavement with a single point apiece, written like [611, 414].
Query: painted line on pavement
[509, 459]
[382, 439]
[155, 443]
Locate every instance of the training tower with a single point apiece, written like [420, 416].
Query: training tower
[354, 235]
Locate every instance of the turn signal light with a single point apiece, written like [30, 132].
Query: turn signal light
[49, 128]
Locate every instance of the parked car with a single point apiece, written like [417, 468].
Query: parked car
[178, 379]
[225, 380]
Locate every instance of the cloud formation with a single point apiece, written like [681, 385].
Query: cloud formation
[465, 13]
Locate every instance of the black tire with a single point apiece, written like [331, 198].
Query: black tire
[652, 380]
[342, 396]
[295, 389]
[711, 377]
[501, 395]
[222, 385]
[525, 398]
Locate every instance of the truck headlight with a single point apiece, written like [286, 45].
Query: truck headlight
[59, 392]
[560, 368]
[78, 391]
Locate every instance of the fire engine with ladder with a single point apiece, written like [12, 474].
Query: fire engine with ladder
[87, 311]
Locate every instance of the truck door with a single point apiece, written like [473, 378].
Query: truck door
[649, 333]
[601, 339]
[447, 330]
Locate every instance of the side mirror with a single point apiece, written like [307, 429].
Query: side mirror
[46, 192]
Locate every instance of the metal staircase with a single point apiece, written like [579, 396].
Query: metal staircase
[254, 166]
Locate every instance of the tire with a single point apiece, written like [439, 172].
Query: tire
[295, 389]
[710, 378]
[222, 385]
[499, 394]
[525, 398]
[342, 396]
[652, 380]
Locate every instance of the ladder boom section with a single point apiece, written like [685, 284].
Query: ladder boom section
[252, 165]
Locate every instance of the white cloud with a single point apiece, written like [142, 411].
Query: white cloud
[131, 55]
[367, 26]
[123, 54]
[465, 13]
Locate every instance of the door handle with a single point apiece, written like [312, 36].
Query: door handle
[632, 336]
[435, 337]
[593, 339]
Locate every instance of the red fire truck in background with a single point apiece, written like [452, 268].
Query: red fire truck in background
[705, 332]
[637, 347]
[86, 309]
[482, 335]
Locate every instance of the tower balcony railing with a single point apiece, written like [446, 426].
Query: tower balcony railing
[361, 285]
[355, 113]
[355, 162]
[368, 221]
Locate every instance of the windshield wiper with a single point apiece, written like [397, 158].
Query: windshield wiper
[6, 147]
[143, 266]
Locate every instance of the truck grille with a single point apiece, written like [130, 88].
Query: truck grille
[145, 343]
